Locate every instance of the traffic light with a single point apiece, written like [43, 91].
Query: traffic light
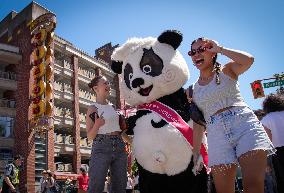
[257, 89]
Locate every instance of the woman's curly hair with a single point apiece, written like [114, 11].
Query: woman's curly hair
[217, 65]
[273, 103]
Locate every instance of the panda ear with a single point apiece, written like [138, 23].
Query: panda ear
[171, 37]
[116, 66]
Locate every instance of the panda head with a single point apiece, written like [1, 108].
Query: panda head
[150, 67]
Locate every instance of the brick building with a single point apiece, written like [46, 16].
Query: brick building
[65, 148]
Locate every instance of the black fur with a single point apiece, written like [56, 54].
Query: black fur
[151, 64]
[159, 124]
[128, 70]
[177, 101]
[184, 182]
[137, 82]
[171, 37]
[116, 66]
[131, 121]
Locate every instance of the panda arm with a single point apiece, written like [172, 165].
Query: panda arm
[159, 124]
[125, 137]
[198, 133]
[131, 121]
[194, 112]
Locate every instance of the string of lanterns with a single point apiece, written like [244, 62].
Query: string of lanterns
[40, 83]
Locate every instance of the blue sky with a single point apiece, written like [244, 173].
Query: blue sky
[250, 25]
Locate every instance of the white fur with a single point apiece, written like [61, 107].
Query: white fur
[160, 150]
[174, 74]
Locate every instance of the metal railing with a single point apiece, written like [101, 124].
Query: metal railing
[8, 75]
[7, 103]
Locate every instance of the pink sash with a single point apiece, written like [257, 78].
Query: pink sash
[172, 117]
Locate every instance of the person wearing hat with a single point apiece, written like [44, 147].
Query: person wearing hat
[48, 184]
[43, 182]
[11, 176]
[51, 185]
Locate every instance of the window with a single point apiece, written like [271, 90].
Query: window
[6, 126]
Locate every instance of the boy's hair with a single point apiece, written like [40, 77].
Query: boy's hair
[16, 157]
[273, 103]
[83, 170]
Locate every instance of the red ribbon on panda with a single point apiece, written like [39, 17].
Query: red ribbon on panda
[173, 118]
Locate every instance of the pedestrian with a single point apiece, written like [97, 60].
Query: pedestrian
[43, 182]
[136, 183]
[273, 121]
[51, 186]
[83, 181]
[235, 135]
[12, 175]
[130, 185]
[107, 184]
[108, 149]
[69, 186]
[1, 182]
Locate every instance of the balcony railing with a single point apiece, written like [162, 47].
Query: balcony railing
[67, 65]
[68, 139]
[63, 167]
[8, 75]
[63, 87]
[66, 88]
[63, 139]
[7, 103]
[86, 73]
[87, 95]
[64, 116]
[64, 144]
[82, 117]
[63, 112]
[58, 86]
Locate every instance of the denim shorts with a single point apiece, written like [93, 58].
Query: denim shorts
[234, 132]
[108, 153]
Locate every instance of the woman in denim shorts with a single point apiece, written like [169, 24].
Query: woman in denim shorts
[108, 150]
[235, 135]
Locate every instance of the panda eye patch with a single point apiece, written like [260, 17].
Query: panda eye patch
[151, 64]
[128, 74]
[147, 69]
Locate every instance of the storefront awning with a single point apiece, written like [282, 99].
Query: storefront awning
[65, 176]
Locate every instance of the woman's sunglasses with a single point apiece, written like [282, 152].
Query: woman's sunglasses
[198, 50]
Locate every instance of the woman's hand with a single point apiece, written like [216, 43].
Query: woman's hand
[99, 121]
[122, 123]
[213, 46]
[197, 163]
[93, 122]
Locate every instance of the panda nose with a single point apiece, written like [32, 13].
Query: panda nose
[137, 82]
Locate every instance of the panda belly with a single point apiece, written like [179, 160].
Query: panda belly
[160, 150]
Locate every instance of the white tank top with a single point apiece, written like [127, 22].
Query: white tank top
[212, 97]
[110, 116]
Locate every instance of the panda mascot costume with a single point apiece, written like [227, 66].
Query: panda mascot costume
[152, 75]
